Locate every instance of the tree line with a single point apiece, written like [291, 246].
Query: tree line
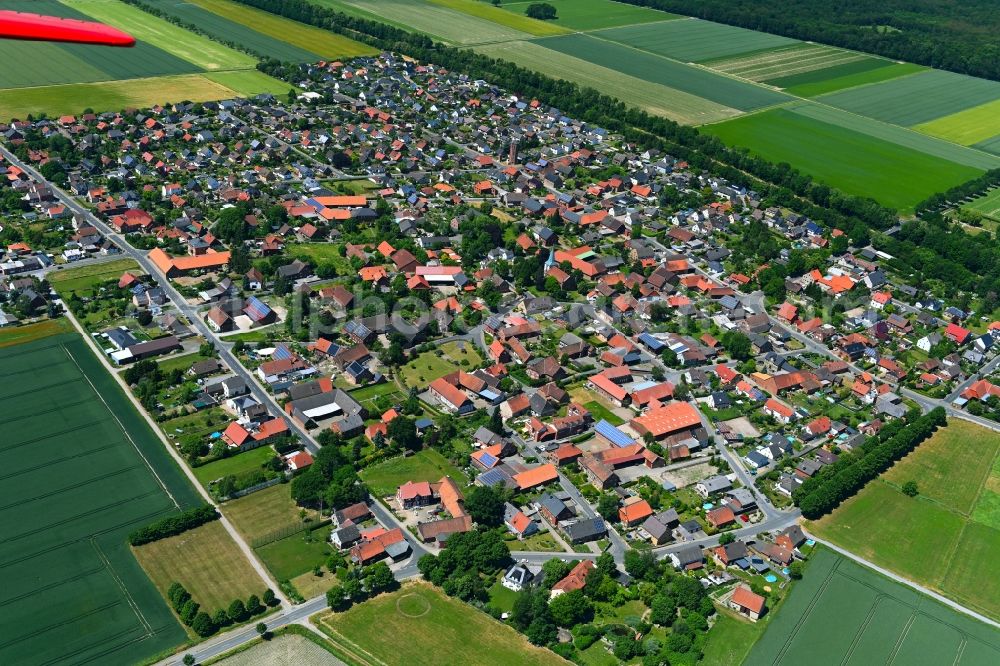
[957, 35]
[824, 492]
[174, 525]
[203, 624]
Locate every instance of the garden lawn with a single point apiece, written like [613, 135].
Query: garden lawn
[236, 464]
[184, 362]
[595, 14]
[539, 542]
[427, 465]
[264, 512]
[730, 640]
[206, 561]
[297, 554]
[951, 466]
[853, 162]
[82, 279]
[420, 626]
[428, 366]
[501, 597]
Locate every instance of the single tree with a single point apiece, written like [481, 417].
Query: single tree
[541, 11]
[910, 489]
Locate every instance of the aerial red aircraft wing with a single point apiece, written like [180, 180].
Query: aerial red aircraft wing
[18, 25]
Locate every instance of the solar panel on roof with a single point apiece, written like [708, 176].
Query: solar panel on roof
[281, 352]
[487, 459]
[612, 434]
[494, 477]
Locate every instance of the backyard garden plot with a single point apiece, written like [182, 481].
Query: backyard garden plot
[231, 31]
[916, 99]
[652, 97]
[43, 63]
[843, 613]
[80, 471]
[840, 77]
[857, 163]
[73, 98]
[648, 66]
[427, 465]
[177, 41]
[966, 127]
[788, 61]
[443, 22]
[693, 40]
[595, 14]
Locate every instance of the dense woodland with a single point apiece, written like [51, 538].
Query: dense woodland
[931, 249]
[958, 35]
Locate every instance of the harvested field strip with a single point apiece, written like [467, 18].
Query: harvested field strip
[966, 127]
[916, 99]
[693, 40]
[841, 77]
[650, 67]
[324, 43]
[899, 135]
[785, 61]
[652, 97]
[177, 41]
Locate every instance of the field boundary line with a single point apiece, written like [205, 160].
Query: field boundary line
[807, 612]
[121, 585]
[122, 426]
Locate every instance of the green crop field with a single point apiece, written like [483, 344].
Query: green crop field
[894, 175]
[651, 67]
[652, 97]
[226, 30]
[324, 43]
[427, 465]
[596, 14]
[843, 613]
[177, 41]
[692, 40]
[249, 83]
[916, 99]
[966, 127]
[942, 538]
[80, 470]
[900, 136]
[43, 63]
[841, 77]
[420, 626]
[498, 15]
[73, 98]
